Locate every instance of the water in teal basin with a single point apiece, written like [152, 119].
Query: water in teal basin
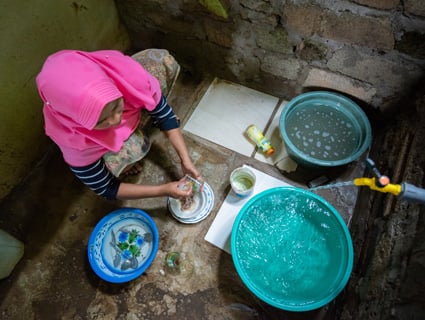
[323, 132]
[291, 248]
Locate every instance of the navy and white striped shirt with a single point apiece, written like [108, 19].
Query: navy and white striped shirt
[97, 176]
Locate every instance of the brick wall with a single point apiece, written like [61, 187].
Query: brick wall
[372, 50]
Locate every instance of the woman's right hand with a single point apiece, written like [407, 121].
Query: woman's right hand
[179, 189]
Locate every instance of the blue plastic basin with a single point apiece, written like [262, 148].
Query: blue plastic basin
[123, 245]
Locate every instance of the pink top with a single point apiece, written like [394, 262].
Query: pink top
[75, 86]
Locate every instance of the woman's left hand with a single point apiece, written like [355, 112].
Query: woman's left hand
[190, 169]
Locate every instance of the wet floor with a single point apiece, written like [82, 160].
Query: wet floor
[54, 215]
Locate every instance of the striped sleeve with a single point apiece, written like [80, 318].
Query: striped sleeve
[98, 178]
[163, 116]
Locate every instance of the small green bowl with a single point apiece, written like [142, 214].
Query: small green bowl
[324, 129]
[292, 249]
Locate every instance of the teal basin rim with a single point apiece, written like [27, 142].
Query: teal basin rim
[334, 101]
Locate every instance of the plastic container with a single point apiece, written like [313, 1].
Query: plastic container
[11, 251]
[179, 263]
[324, 129]
[292, 249]
[255, 135]
[242, 181]
[197, 186]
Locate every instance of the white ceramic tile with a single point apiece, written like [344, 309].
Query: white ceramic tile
[226, 110]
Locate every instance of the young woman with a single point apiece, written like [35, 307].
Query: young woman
[92, 111]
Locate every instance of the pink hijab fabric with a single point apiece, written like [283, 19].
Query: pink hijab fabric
[75, 86]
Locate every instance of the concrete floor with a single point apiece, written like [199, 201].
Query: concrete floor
[54, 215]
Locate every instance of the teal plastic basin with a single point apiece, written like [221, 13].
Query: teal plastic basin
[292, 249]
[324, 129]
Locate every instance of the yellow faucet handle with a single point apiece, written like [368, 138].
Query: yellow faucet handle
[395, 189]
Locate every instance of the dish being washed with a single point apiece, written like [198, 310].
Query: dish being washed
[195, 209]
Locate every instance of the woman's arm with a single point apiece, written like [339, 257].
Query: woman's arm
[166, 120]
[100, 180]
[128, 191]
[176, 138]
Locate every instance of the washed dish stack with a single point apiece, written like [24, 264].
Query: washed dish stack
[195, 208]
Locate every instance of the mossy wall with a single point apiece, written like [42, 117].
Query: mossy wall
[30, 31]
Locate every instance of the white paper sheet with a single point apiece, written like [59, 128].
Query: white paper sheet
[221, 228]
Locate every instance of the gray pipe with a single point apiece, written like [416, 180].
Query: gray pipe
[412, 193]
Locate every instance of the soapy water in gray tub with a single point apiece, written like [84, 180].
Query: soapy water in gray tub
[323, 133]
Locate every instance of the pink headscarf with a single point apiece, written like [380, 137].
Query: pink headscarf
[75, 86]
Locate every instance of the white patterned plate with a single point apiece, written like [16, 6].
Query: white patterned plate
[201, 208]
